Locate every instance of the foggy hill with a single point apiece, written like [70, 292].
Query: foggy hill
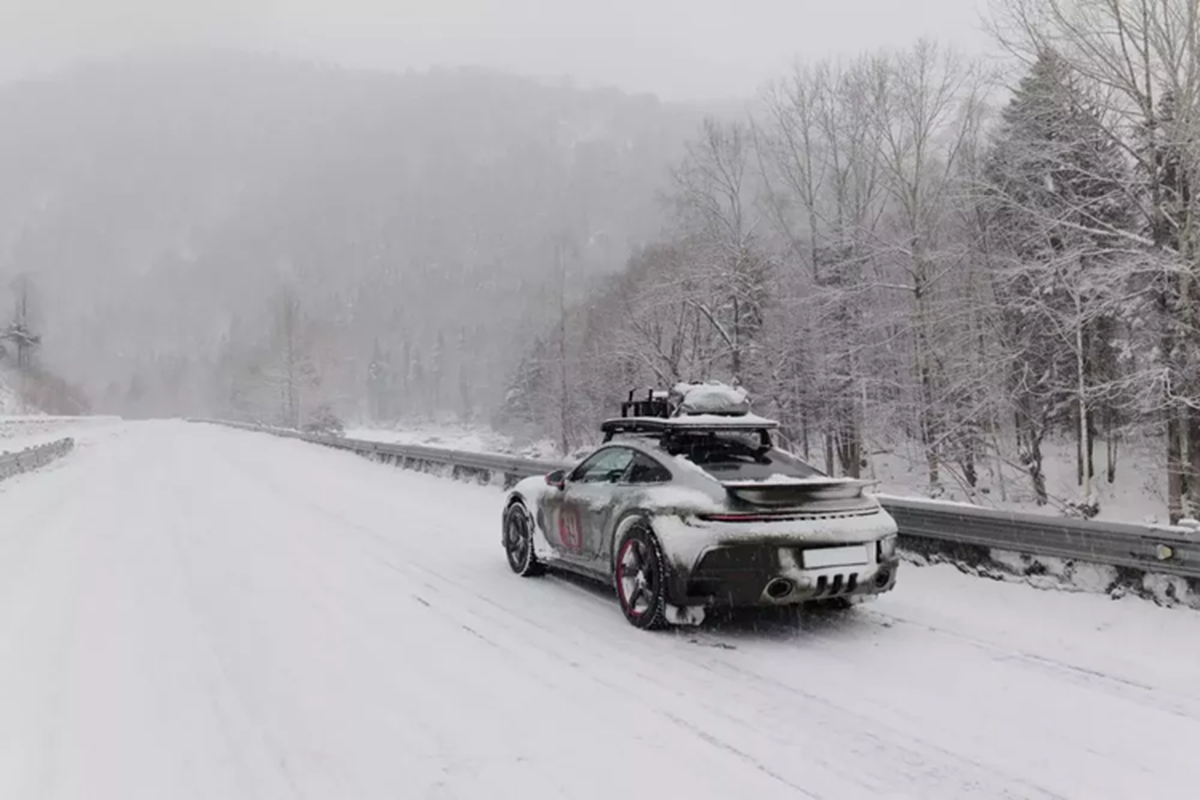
[163, 205]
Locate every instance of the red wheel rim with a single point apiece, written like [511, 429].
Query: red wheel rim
[636, 580]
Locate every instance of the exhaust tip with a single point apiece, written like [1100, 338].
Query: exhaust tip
[882, 577]
[779, 588]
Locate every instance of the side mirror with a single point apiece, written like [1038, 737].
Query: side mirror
[557, 479]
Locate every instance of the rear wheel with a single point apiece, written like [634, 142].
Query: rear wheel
[641, 579]
[518, 542]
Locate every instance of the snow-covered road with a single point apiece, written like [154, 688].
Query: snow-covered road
[192, 612]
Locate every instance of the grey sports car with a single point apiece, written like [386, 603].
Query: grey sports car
[681, 512]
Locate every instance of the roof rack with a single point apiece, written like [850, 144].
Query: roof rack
[684, 424]
[661, 412]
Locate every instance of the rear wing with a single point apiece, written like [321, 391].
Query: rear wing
[796, 491]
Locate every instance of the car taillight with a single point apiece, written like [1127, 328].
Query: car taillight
[887, 547]
[785, 516]
[746, 517]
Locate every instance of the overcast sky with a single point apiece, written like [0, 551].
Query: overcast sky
[679, 49]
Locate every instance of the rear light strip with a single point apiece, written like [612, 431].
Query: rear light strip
[784, 516]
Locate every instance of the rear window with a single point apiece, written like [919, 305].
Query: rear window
[737, 456]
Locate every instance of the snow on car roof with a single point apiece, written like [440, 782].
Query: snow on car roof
[712, 398]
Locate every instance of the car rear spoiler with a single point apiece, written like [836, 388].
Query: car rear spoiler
[796, 492]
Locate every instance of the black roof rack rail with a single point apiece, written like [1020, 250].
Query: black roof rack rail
[683, 425]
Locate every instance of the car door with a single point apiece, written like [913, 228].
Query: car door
[644, 472]
[587, 502]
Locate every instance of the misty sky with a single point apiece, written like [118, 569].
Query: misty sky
[679, 49]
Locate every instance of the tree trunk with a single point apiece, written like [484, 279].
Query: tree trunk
[1085, 444]
[1035, 471]
[926, 417]
[968, 465]
[804, 434]
[736, 359]
[1090, 455]
[1174, 467]
[1191, 459]
[998, 461]
[1079, 447]
[1111, 455]
[1029, 452]
[850, 450]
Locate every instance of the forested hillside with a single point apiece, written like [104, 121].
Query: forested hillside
[218, 233]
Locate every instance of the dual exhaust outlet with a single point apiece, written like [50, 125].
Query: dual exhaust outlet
[782, 588]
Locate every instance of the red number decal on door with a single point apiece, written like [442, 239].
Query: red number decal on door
[570, 530]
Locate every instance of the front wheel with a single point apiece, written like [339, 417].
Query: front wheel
[518, 542]
[641, 579]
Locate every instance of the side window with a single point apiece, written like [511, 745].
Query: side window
[646, 470]
[607, 466]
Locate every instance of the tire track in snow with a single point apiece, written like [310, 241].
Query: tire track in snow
[1186, 706]
[319, 547]
[300, 609]
[900, 745]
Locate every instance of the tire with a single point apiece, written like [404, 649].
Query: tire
[641, 575]
[518, 542]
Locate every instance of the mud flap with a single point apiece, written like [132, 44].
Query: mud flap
[685, 615]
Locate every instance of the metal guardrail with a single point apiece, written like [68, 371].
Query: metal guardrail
[22, 461]
[1167, 550]
[511, 468]
[1158, 549]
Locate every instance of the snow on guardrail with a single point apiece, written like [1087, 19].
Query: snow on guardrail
[29, 459]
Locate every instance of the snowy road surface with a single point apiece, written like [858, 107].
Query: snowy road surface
[193, 612]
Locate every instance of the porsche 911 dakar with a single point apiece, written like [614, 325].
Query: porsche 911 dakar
[688, 505]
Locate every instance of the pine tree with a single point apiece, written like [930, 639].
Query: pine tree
[1168, 144]
[525, 400]
[1058, 190]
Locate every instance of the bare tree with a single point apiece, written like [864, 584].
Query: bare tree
[819, 154]
[715, 200]
[926, 103]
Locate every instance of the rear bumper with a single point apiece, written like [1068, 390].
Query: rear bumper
[762, 574]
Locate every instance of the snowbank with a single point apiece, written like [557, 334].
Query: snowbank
[1059, 574]
[1137, 495]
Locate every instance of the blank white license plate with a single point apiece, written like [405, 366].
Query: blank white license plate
[836, 556]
